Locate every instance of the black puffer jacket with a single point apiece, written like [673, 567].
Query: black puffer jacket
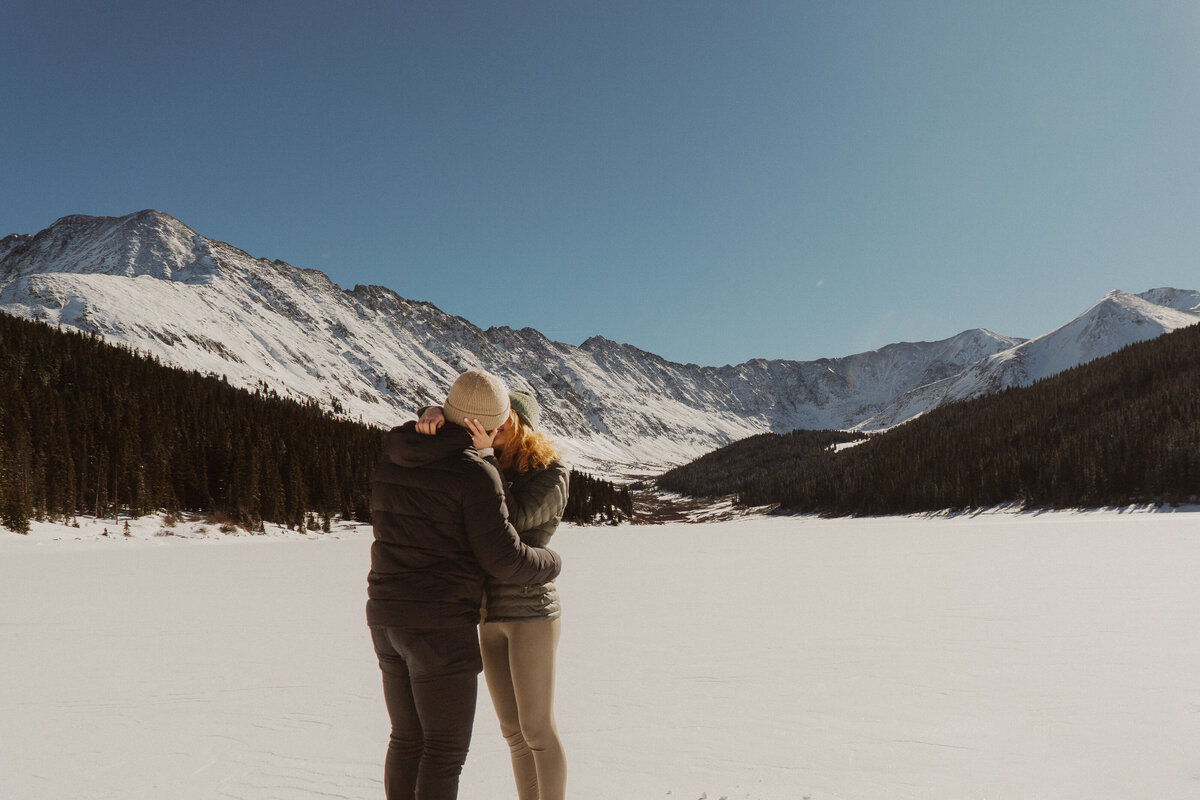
[440, 522]
[536, 500]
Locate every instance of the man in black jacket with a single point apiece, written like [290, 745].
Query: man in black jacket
[440, 523]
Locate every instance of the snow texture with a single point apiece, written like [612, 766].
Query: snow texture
[997, 655]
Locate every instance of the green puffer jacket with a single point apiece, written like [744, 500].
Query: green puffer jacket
[535, 500]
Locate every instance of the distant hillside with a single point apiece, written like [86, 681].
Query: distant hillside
[87, 428]
[1120, 430]
[749, 461]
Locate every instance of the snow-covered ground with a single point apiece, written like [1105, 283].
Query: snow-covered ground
[990, 656]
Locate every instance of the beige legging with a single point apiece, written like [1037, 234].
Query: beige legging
[518, 662]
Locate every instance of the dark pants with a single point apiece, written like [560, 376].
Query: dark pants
[430, 682]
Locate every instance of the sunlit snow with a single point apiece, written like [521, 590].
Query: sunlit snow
[999, 655]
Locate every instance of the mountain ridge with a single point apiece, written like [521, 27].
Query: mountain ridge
[1117, 317]
[150, 282]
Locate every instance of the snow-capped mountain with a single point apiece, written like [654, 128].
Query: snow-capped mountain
[1119, 319]
[149, 282]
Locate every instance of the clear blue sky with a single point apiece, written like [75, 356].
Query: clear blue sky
[710, 181]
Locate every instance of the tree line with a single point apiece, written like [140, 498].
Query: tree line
[1121, 430]
[591, 499]
[747, 461]
[89, 428]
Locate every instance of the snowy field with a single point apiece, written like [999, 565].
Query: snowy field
[991, 656]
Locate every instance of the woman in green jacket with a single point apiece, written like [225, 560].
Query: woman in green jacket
[520, 629]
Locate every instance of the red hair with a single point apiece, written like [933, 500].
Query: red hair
[526, 449]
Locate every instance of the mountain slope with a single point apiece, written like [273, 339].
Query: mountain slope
[1120, 430]
[1118, 320]
[148, 281]
[91, 428]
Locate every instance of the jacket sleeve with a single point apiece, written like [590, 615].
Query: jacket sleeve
[495, 542]
[539, 499]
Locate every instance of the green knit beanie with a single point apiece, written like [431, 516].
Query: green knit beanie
[526, 407]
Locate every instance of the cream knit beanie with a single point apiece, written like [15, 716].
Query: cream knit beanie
[477, 395]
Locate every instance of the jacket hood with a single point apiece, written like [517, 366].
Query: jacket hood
[405, 447]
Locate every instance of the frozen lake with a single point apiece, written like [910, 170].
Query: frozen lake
[996, 656]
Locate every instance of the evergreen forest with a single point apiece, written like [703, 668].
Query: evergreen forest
[1120, 430]
[749, 461]
[88, 428]
[591, 499]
